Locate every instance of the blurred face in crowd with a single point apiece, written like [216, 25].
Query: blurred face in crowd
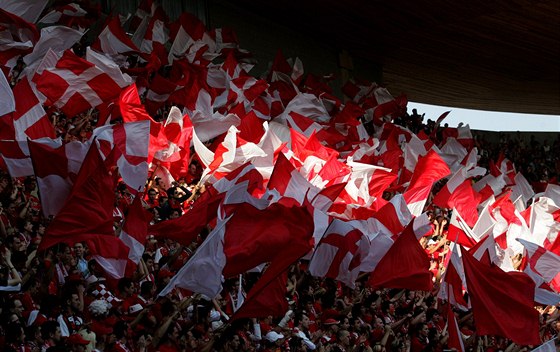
[424, 330]
[18, 308]
[344, 337]
[192, 169]
[79, 250]
[345, 324]
[152, 195]
[378, 323]
[75, 302]
[305, 321]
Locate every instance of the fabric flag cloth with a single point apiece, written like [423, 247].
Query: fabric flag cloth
[29, 10]
[459, 194]
[75, 85]
[278, 234]
[22, 34]
[429, 169]
[16, 155]
[543, 263]
[8, 102]
[87, 216]
[56, 38]
[185, 228]
[549, 346]
[113, 39]
[453, 280]
[130, 142]
[135, 229]
[29, 120]
[55, 170]
[502, 303]
[340, 252]
[405, 265]
[455, 338]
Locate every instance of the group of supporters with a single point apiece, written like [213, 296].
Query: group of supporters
[61, 297]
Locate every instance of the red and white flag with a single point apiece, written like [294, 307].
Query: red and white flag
[458, 193]
[75, 85]
[135, 229]
[237, 245]
[55, 38]
[453, 282]
[113, 39]
[340, 252]
[29, 10]
[230, 154]
[189, 31]
[8, 103]
[131, 141]
[29, 120]
[18, 38]
[87, 216]
[55, 170]
[288, 182]
[429, 170]
[542, 262]
[455, 339]
[16, 155]
[64, 14]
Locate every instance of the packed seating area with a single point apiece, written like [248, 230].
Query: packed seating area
[158, 195]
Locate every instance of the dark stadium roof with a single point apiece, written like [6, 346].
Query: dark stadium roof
[489, 55]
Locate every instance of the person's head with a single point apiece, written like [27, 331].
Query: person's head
[193, 169]
[297, 344]
[14, 243]
[302, 320]
[378, 323]
[148, 259]
[126, 287]
[72, 301]
[175, 213]
[343, 337]
[79, 250]
[152, 194]
[345, 323]
[15, 333]
[50, 331]
[422, 330]
[159, 183]
[432, 314]
[235, 343]
[147, 289]
[17, 308]
[28, 226]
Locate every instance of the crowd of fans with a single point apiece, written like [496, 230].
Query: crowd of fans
[60, 300]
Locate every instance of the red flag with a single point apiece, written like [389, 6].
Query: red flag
[429, 169]
[502, 303]
[185, 228]
[455, 339]
[267, 297]
[405, 265]
[88, 216]
[135, 229]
